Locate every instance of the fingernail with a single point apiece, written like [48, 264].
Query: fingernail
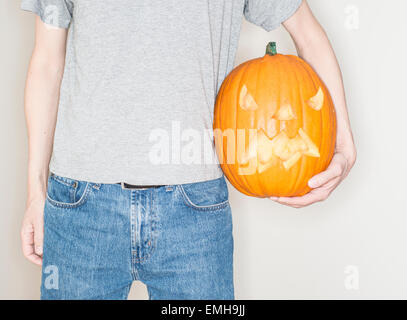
[274, 198]
[312, 183]
[38, 250]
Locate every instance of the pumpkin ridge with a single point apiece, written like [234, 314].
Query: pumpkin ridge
[316, 84]
[286, 91]
[219, 125]
[243, 75]
[230, 85]
[303, 172]
[258, 181]
[300, 168]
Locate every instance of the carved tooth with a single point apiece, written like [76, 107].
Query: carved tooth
[280, 143]
[292, 161]
[264, 147]
[245, 155]
[263, 151]
[297, 144]
[271, 128]
[263, 167]
[250, 169]
[312, 149]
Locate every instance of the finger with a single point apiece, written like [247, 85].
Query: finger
[314, 196]
[332, 184]
[27, 239]
[27, 243]
[324, 177]
[277, 199]
[35, 259]
[38, 238]
[335, 169]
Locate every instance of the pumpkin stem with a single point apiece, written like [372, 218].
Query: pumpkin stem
[271, 49]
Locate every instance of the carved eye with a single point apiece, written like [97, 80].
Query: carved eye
[317, 101]
[246, 100]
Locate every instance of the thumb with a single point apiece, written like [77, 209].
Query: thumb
[334, 170]
[319, 179]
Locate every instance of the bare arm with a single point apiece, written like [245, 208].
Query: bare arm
[41, 106]
[314, 47]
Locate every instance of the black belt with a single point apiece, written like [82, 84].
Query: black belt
[133, 187]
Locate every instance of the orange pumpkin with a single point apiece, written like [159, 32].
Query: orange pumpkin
[274, 126]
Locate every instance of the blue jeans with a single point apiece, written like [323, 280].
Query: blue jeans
[99, 238]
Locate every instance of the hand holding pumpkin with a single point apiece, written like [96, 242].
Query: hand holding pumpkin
[324, 183]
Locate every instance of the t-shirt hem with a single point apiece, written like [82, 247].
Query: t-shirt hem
[157, 180]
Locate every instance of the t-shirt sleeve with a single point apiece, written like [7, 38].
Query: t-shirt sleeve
[269, 14]
[57, 13]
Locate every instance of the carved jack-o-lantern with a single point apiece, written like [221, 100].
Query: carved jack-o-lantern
[275, 126]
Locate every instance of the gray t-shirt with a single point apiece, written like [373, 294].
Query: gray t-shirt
[140, 83]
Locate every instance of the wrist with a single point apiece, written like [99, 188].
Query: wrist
[347, 148]
[35, 194]
[36, 186]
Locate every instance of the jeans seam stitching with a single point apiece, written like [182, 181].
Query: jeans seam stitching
[71, 205]
[144, 258]
[212, 207]
[54, 177]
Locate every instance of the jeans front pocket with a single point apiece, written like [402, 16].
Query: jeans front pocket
[66, 192]
[209, 195]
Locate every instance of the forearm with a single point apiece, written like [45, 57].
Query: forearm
[314, 47]
[320, 55]
[41, 105]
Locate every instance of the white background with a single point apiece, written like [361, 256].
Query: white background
[280, 253]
